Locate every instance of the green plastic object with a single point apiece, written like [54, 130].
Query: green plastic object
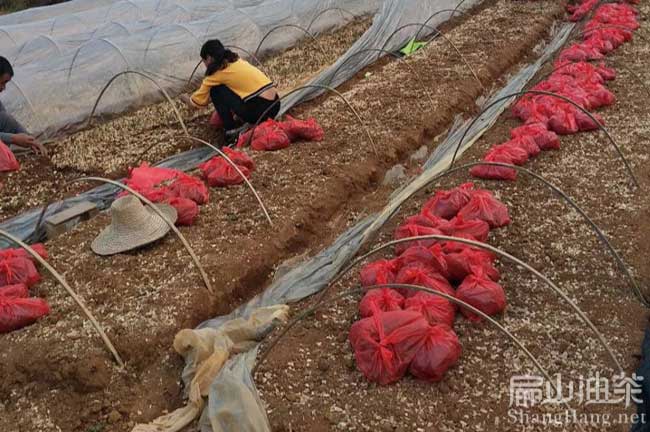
[411, 47]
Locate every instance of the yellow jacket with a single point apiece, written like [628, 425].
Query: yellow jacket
[241, 77]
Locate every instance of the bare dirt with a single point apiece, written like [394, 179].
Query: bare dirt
[55, 375]
[310, 381]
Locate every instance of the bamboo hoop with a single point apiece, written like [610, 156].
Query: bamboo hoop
[71, 293]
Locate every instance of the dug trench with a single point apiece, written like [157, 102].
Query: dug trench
[310, 381]
[56, 375]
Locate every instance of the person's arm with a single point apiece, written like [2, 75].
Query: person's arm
[23, 140]
[6, 137]
[201, 97]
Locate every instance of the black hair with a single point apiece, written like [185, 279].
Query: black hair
[221, 56]
[5, 67]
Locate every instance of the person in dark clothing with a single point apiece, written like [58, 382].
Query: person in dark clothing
[235, 88]
[11, 131]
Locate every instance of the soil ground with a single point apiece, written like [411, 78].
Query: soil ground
[55, 375]
[315, 385]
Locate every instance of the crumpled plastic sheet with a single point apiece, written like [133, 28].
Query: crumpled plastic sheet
[391, 15]
[315, 273]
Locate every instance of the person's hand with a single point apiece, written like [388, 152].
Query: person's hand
[186, 99]
[24, 140]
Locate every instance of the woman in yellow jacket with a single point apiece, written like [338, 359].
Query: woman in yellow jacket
[235, 87]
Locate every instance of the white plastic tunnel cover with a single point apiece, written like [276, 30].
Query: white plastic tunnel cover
[82, 49]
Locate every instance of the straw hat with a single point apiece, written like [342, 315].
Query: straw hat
[132, 225]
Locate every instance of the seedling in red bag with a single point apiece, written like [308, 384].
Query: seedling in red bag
[484, 294]
[383, 299]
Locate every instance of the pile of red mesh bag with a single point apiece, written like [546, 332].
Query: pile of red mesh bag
[406, 330]
[165, 185]
[544, 116]
[17, 273]
[273, 135]
[8, 161]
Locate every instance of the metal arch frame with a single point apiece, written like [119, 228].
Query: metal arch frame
[230, 162]
[355, 291]
[585, 33]
[57, 18]
[60, 279]
[318, 86]
[334, 8]
[449, 41]
[595, 228]
[150, 79]
[47, 37]
[177, 6]
[251, 55]
[611, 59]
[499, 252]
[557, 96]
[426, 22]
[392, 54]
[15, 83]
[131, 2]
[234, 165]
[105, 40]
[459, 5]
[9, 36]
[313, 38]
[153, 207]
[106, 24]
[146, 50]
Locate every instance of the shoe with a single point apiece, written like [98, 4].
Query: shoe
[232, 136]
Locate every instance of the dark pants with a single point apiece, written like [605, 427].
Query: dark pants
[227, 102]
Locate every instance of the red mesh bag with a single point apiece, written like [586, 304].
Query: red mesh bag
[516, 154]
[428, 257]
[436, 309]
[440, 351]
[308, 130]
[239, 158]
[186, 186]
[410, 230]
[486, 207]
[186, 209]
[580, 11]
[384, 300]
[526, 143]
[39, 248]
[429, 220]
[268, 136]
[15, 291]
[378, 273]
[147, 177]
[579, 52]
[8, 161]
[563, 122]
[16, 313]
[18, 271]
[475, 228]
[219, 173]
[424, 276]
[482, 293]
[215, 121]
[494, 172]
[585, 123]
[447, 203]
[385, 343]
[545, 139]
[468, 260]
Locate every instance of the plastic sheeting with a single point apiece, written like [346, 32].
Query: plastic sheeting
[82, 49]
[388, 19]
[315, 274]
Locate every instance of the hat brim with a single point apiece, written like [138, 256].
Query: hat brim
[109, 243]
